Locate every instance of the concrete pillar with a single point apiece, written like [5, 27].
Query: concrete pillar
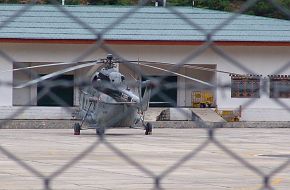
[6, 91]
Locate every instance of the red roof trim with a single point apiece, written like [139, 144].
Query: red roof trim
[144, 42]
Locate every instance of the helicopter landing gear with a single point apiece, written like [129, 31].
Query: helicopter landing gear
[148, 129]
[100, 131]
[77, 129]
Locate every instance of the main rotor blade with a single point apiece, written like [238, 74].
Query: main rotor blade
[35, 81]
[190, 66]
[47, 65]
[140, 88]
[178, 74]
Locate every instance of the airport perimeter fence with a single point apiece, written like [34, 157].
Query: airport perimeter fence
[209, 43]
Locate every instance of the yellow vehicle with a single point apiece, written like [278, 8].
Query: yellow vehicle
[230, 115]
[202, 99]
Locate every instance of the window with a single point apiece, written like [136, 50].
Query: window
[245, 86]
[279, 86]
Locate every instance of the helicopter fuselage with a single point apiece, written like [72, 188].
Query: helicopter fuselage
[108, 102]
[101, 110]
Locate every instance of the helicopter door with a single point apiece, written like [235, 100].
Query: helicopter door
[167, 96]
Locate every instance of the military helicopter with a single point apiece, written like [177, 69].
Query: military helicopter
[106, 101]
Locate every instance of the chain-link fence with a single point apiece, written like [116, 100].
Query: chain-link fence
[99, 37]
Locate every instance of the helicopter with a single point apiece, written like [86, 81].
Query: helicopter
[108, 96]
[106, 101]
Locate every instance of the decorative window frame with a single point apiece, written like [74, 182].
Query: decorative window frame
[245, 86]
[279, 86]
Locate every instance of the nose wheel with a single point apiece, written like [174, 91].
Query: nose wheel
[148, 129]
[77, 129]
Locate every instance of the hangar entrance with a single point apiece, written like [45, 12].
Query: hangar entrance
[30, 95]
[167, 93]
[65, 94]
[196, 94]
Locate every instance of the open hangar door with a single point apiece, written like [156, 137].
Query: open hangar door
[167, 93]
[195, 94]
[181, 90]
[64, 94]
[31, 94]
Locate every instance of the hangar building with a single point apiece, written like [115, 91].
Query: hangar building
[255, 49]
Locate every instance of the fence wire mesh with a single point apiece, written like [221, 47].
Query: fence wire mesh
[211, 137]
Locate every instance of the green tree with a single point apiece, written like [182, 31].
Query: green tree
[264, 8]
[179, 2]
[113, 2]
[261, 8]
[223, 5]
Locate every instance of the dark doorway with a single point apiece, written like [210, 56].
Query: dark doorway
[64, 93]
[167, 91]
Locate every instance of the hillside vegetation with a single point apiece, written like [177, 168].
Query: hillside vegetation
[261, 8]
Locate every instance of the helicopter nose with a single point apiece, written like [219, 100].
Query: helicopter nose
[115, 78]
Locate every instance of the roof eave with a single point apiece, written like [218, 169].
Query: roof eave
[144, 42]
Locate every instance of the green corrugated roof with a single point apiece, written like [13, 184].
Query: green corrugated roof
[147, 23]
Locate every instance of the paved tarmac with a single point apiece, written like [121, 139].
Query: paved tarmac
[48, 151]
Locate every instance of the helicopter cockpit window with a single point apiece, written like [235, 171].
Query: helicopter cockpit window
[96, 77]
[103, 77]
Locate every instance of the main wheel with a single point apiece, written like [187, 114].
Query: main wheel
[148, 129]
[100, 131]
[77, 129]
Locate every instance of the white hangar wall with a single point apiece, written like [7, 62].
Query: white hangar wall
[256, 59]
[5, 90]
[262, 60]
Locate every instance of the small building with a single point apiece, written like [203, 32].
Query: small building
[252, 53]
